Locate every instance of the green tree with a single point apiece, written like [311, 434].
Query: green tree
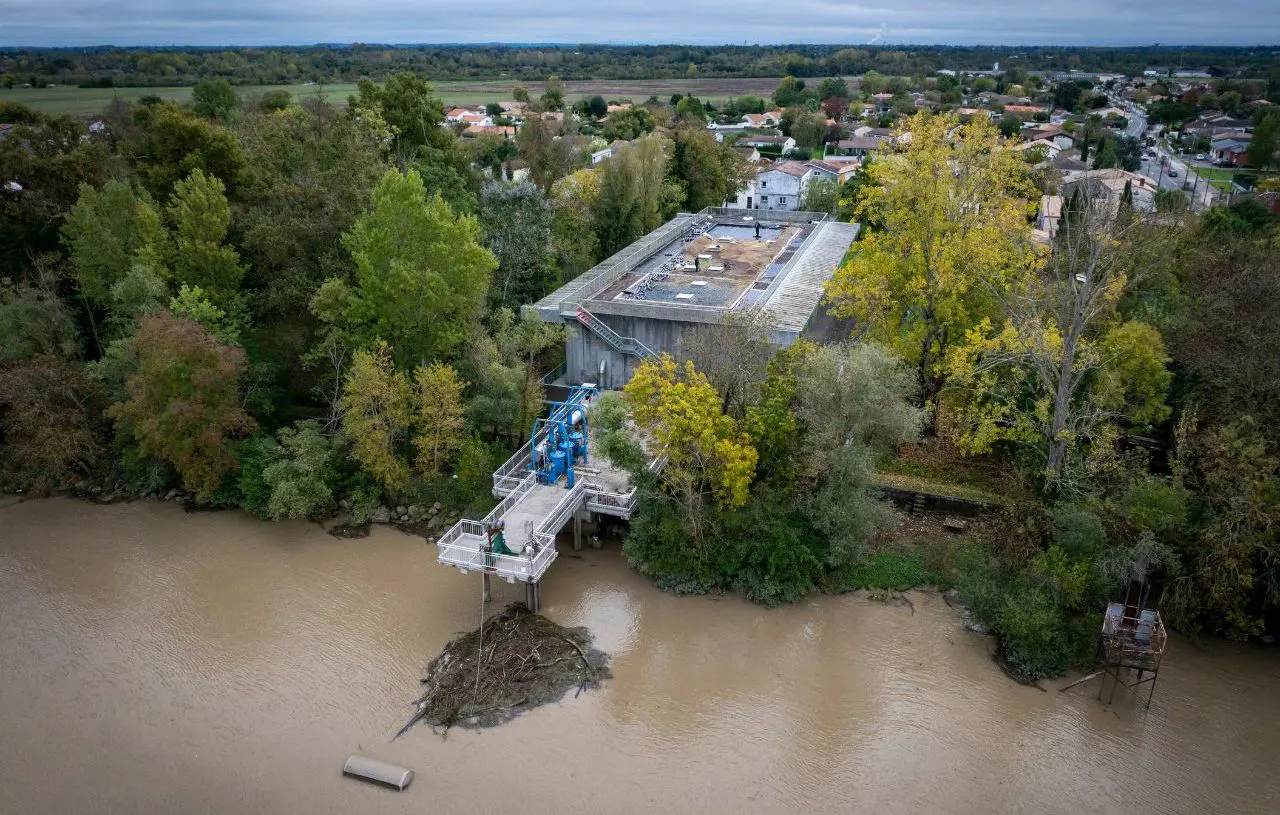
[809, 130]
[308, 175]
[573, 230]
[547, 152]
[33, 323]
[191, 303]
[1010, 125]
[516, 221]
[166, 143]
[833, 88]
[597, 107]
[629, 124]
[1106, 158]
[200, 218]
[214, 99]
[710, 171]
[788, 92]
[421, 273]
[821, 195]
[553, 93]
[377, 406]
[106, 233]
[410, 110]
[1264, 148]
[274, 101]
[183, 405]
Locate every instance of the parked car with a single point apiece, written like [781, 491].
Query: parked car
[1200, 156]
[1173, 173]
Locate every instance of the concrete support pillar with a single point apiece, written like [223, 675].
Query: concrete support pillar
[577, 532]
[529, 600]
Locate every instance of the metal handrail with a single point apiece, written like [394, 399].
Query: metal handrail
[613, 268]
[625, 345]
[554, 374]
[545, 534]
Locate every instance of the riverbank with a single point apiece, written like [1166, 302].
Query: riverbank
[160, 661]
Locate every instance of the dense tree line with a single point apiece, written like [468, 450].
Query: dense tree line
[295, 306]
[132, 67]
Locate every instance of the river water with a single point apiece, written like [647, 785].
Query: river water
[157, 661]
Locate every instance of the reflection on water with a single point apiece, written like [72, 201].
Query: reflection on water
[157, 661]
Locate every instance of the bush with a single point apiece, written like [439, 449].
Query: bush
[889, 570]
[1078, 531]
[302, 476]
[779, 555]
[256, 454]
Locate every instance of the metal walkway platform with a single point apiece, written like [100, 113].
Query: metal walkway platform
[532, 514]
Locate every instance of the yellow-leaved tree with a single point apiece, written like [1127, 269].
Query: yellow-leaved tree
[946, 216]
[707, 453]
[438, 416]
[1063, 366]
[376, 412]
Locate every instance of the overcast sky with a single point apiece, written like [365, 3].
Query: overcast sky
[964, 22]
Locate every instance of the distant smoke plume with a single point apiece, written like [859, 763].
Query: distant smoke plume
[884, 29]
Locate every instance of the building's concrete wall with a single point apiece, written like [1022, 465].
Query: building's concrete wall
[585, 350]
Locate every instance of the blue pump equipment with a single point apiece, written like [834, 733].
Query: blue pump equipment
[560, 440]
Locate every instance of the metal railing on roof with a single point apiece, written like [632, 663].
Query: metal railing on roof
[610, 270]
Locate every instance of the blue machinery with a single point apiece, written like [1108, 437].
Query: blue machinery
[564, 440]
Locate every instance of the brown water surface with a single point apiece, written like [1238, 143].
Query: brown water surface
[155, 661]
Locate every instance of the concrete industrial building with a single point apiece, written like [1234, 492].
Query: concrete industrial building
[695, 270]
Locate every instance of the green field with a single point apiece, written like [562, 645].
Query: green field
[1221, 177]
[89, 101]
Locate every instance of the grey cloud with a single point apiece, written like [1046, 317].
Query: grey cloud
[246, 22]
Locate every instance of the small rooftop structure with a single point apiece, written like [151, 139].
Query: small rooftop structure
[696, 269]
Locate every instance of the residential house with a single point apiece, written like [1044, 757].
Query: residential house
[1049, 215]
[861, 146]
[1230, 148]
[770, 118]
[784, 143]
[1106, 187]
[779, 186]
[1211, 125]
[821, 169]
[468, 117]
[489, 130]
[751, 154]
[1051, 149]
[1023, 111]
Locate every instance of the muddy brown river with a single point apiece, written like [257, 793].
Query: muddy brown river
[155, 661]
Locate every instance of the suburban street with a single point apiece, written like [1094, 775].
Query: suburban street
[1157, 166]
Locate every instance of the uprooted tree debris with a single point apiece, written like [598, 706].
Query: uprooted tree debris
[524, 660]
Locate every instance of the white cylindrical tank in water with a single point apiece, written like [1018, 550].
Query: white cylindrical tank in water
[371, 769]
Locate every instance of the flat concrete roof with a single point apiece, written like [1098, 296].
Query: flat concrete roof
[782, 273]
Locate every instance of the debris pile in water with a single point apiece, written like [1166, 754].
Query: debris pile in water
[526, 661]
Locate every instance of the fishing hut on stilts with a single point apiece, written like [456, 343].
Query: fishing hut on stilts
[1132, 642]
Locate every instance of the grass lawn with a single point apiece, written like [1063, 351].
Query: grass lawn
[932, 466]
[89, 101]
